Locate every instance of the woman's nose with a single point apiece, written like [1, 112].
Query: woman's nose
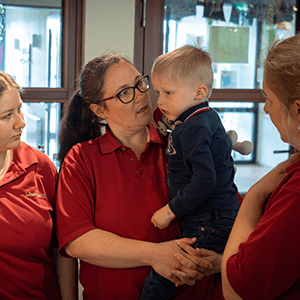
[139, 95]
[19, 122]
[266, 107]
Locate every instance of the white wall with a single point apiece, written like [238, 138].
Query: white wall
[109, 26]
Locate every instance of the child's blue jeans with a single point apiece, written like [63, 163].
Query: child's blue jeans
[211, 230]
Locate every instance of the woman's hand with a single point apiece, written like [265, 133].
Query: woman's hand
[164, 262]
[206, 262]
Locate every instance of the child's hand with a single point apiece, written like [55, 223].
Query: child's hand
[163, 217]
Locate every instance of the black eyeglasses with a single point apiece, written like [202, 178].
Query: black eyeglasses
[128, 94]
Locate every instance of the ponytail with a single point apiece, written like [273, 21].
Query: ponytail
[79, 124]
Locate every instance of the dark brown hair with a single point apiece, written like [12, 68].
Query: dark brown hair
[79, 123]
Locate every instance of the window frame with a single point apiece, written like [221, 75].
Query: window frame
[72, 56]
[148, 44]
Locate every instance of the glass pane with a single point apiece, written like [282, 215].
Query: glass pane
[30, 46]
[251, 123]
[271, 150]
[42, 127]
[237, 116]
[236, 33]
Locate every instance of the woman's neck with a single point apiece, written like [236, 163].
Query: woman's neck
[5, 160]
[135, 140]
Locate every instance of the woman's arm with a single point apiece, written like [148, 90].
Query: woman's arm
[109, 250]
[67, 273]
[249, 215]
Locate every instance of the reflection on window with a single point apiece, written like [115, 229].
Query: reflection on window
[236, 33]
[42, 127]
[30, 46]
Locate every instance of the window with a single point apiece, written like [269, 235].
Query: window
[51, 52]
[236, 33]
[42, 127]
[31, 45]
[41, 48]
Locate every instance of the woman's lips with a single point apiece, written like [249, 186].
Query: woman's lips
[143, 109]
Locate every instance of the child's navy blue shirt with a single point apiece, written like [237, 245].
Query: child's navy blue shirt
[201, 168]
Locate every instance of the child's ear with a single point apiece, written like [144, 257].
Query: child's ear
[201, 92]
[98, 110]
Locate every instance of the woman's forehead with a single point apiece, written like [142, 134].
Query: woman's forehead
[121, 74]
[10, 98]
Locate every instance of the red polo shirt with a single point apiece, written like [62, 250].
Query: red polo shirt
[103, 185]
[27, 195]
[267, 264]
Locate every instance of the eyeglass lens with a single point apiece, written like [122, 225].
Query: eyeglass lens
[128, 94]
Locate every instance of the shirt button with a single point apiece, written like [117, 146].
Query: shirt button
[124, 149]
[213, 230]
[131, 159]
[202, 229]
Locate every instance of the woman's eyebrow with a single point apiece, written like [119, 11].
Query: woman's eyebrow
[264, 94]
[126, 85]
[8, 111]
[4, 112]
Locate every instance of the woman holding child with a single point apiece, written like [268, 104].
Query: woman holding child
[111, 185]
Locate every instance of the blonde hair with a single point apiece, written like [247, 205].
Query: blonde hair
[188, 64]
[282, 69]
[7, 83]
[282, 73]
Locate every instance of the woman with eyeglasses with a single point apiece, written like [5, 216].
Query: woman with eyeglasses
[113, 177]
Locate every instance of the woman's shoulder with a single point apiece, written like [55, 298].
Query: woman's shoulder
[82, 152]
[293, 178]
[286, 197]
[28, 155]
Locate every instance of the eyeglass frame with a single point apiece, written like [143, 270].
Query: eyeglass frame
[133, 87]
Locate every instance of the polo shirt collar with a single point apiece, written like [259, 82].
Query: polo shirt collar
[293, 166]
[24, 157]
[108, 143]
[189, 113]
